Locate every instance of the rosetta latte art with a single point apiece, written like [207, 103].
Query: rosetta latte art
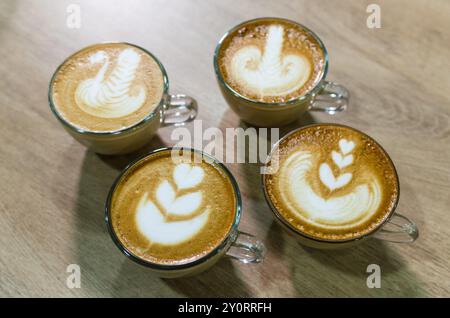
[153, 223]
[270, 73]
[353, 208]
[110, 97]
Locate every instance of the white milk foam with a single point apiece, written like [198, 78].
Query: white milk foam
[275, 74]
[110, 97]
[152, 223]
[353, 208]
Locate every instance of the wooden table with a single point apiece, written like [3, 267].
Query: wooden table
[53, 190]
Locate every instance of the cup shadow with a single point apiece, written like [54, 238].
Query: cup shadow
[304, 120]
[221, 280]
[105, 270]
[121, 161]
[335, 270]
[249, 174]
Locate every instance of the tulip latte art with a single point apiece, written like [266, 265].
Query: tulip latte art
[333, 182]
[107, 87]
[271, 60]
[173, 211]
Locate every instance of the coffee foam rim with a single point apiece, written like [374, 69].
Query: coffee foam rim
[313, 91]
[281, 219]
[158, 266]
[136, 125]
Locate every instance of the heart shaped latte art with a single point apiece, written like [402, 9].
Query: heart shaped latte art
[270, 73]
[353, 207]
[186, 176]
[341, 161]
[182, 205]
[327, 177]
[346, 146]
[154, 224]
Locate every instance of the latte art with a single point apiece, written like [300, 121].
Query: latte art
[154, 224]
[270, 72]
[271, 60]
[173, 211]
[334, 211]
[341, 160]
[110, 97]
[332, 183]
[107, 87]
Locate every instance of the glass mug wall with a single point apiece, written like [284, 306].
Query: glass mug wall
[333, 186]
[177, 212]
[112, 97]
[316, 94]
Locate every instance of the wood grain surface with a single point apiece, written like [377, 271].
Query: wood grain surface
[52, 190]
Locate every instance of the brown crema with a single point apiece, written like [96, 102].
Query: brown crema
[302, 182]
[144, 178]
[147, 77]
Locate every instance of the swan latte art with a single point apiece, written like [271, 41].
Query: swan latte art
[173, 211]
[333, 183]
[107, 87]
[271, 60]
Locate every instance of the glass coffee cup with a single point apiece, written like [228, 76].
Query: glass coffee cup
[322, 95]
[169, 110]
[317, 207]
[233, 243]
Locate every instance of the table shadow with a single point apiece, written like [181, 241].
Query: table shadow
[9, 9]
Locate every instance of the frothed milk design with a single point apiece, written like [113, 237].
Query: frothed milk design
[271, 60]
[110, 96]
[152, 222]
[107, 87]
[353, 208]
[341, 159]
[173, 210]
[269, 72]
[333, 182]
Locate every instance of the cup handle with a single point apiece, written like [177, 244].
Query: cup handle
[247, 249]
[398, 229]
[332, 98]
[179, 109]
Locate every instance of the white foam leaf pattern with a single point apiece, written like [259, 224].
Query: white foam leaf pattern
[341, 161]
[152, 224]
[352, 208]
[346, 146]
[275, 74]
[110, 97]
[182, 205]
[327, 177]
[186, 176]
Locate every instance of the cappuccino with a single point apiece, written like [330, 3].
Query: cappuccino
[333, 183]
[271, 60]
[107, 87]
[173, 207]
